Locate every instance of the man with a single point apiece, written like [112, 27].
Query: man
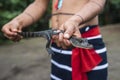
[77, 18]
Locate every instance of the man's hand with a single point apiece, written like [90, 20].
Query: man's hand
[11, 29]
[70, 28]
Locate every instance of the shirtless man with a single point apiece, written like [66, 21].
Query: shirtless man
[77, 18]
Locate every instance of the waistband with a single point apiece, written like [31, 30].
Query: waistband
[87, 28]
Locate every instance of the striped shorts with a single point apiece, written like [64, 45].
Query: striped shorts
[61, 68]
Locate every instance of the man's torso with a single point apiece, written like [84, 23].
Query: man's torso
[72, 7]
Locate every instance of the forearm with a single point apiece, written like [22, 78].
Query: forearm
[89, 11]
[32, 13]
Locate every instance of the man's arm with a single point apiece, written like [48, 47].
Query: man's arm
[30, 15]
[89, 10]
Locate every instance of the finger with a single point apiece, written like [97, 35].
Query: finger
[67, 42]
[19, 29]
[69, 32]
[77, 34]
[9, 37]
[14, 29]
[17, 38]
[58, 43]
[14, 38]
[15, 26]
[63, 46]
[55, 39]
[8, 32]
[60, 37]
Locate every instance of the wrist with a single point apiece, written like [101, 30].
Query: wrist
[24, 19]
[30, 16]
[18, 22]
[77, 19]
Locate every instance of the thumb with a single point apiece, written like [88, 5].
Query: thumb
[19, 29]
[15, 26]
[77, 33]
[69, 32]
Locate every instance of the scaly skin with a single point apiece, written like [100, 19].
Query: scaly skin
[76, 42]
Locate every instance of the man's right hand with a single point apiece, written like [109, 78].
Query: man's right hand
[11, 29]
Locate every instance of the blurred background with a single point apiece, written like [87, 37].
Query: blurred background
[11, 8]
[28, 60]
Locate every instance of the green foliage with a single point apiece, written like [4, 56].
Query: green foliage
[116, 3]
[111, 13]
[8, 10]
[11, 8]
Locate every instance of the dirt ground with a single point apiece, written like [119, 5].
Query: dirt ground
[28, 59]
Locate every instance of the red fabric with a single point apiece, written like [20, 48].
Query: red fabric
[84, 60]
[56, 4]
[93, 32]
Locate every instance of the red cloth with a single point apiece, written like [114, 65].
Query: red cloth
[56, 4]
[84, 60]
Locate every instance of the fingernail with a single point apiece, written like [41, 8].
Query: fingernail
[15, 34]
[14, 29]
[66, 35]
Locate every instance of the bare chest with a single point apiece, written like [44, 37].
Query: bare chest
[65, 6]
[69, 5]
